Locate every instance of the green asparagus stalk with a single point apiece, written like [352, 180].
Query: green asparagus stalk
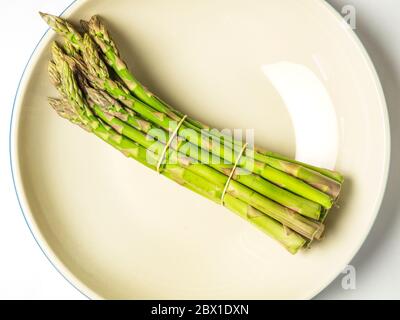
[62, 107]
[107, 45]
[71, 50]
[334, 175]
[63, 27]
[79, 113]
[280, 213]
[267, 172]
[98, 70]
[111, 54]
[312, 177]
[129, 127]
[100, 34]
[290, 240]
[106, 107]
[284, 215]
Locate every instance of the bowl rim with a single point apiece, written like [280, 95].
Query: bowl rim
[16, 174]
[42, 243]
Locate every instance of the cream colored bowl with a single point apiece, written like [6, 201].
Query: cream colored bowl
[290, 69]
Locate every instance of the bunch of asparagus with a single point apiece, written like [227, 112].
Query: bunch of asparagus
[286, 199]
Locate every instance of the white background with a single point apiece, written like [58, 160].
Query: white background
[25, 273]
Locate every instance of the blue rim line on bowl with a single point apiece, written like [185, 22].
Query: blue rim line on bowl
[11, 158]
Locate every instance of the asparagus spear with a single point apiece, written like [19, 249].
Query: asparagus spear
[97, 67]
[112, 56]
[290, 240]
[107, 108]
[79, 113]
[312, 175]
[71, 50]
[282, 214]
[63, 27]
[274, 175]
[100, 34]
[97, 70]
[334, 175]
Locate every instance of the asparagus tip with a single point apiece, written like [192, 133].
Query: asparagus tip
[96, 25]
[84, 25]
[42, 14]
[95, 18]
[46, 16]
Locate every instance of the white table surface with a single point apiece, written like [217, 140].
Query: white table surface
[25, 273]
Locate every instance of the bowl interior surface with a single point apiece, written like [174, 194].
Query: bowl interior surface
[289, 69]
